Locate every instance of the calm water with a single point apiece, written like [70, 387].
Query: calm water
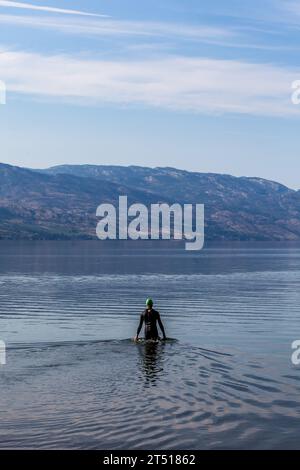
[73, 378]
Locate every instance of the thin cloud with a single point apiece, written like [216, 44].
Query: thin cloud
[196, 85]
[285, 12]
[293, 7]
[30, 6]
[215, 36]
[108, 27]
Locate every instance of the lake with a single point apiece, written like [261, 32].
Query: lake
[74, 378]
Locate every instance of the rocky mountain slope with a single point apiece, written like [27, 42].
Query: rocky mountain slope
[61, 202]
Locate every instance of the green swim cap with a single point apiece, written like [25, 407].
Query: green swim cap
[149, 302]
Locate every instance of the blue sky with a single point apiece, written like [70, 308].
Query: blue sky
[199, 85]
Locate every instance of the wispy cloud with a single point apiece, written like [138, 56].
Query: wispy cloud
[284, 12]
[177, 83]
[30, 6]
[108, 27]
[292, 7]
[223, 37]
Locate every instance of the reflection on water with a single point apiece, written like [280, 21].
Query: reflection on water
[118, 395]
[73, 381]
[151, 355]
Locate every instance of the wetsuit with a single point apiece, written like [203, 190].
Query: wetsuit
[150, 318]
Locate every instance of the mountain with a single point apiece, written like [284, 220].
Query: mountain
[61, 202]
[35, 205]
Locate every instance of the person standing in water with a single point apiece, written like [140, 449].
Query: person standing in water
[150, 317]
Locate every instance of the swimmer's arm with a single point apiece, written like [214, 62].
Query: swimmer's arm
[139, 327]
[161, 326]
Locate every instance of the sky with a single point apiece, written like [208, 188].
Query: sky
[199, 85]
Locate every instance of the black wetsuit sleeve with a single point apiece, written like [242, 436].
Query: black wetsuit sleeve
[161, 326]
[140, 325]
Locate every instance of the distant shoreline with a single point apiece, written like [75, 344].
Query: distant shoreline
[60, 203]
